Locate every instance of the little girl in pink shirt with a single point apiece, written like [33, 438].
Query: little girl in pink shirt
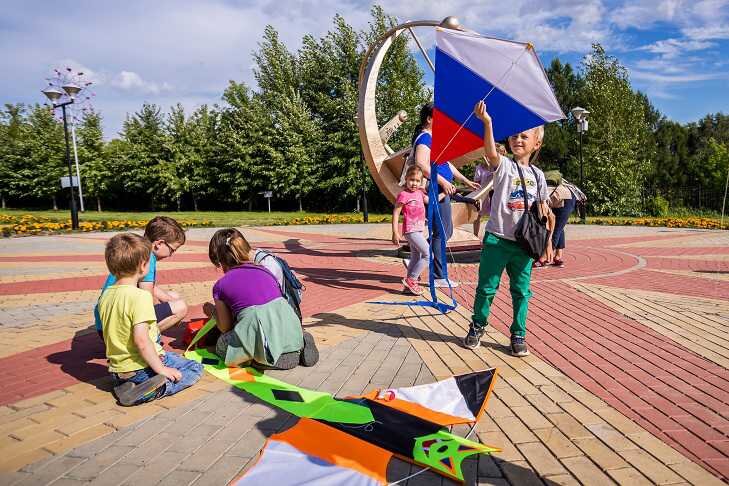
[411, 203]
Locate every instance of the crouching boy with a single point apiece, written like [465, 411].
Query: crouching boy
[142, 370]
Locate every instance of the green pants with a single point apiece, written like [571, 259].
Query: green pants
[499, 254]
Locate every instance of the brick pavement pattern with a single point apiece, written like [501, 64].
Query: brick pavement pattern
[627, 382]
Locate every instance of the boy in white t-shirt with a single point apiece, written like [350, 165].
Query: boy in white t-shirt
[500, 251]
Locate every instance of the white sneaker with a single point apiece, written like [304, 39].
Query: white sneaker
[441, 282]
[406, 262]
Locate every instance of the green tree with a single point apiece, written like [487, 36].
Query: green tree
[240, 169]
[668, 174]
[14, 150]
[39, 175]
[143, 153]
[203, 129]
[560, 137]
[615, 162]
[329, 70]
[295, 144]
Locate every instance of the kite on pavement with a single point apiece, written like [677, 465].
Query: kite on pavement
[351, 440]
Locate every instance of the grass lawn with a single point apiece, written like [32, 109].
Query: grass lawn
[217, 218]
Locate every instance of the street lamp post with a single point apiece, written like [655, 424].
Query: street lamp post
[580, 115]
[54, 95]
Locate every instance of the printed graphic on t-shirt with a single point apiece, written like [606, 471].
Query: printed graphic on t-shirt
[516, 197]
[413, 210]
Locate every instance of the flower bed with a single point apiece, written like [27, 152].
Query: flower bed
[333, 219]
[28, 224]
[688, 222]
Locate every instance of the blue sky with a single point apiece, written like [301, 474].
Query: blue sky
[185, 51]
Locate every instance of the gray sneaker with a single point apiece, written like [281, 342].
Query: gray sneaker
[129, 393]
[519, 346]
[473, 338]
[310, 354]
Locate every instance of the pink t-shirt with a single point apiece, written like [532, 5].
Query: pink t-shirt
[413, 210]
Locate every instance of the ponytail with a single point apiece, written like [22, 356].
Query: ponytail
[425, 111]
[228, 248]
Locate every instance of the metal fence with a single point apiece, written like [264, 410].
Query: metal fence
[696, 198]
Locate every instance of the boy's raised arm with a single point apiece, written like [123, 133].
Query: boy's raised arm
[492, 156]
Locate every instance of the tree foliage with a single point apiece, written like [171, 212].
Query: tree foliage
[295, 134]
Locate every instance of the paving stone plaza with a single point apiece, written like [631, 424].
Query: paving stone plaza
[627, 383]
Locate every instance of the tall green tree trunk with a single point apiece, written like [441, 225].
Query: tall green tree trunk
[54, 203]
[98, 204]
[2, 197]
[194, 202]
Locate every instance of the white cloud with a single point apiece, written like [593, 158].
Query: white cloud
[169, 50]
[670, 48]
[642, 14]
[674, 78]
[131, 81]
[707, 32]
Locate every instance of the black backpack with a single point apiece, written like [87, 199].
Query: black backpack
[531, 231]
[292, 287]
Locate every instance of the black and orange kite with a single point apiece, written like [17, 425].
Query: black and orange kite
[351, 440]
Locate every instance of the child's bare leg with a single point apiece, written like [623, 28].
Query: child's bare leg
[172, 312]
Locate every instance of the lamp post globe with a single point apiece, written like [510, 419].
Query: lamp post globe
[71, 89]
[577, 112]
[53, 94]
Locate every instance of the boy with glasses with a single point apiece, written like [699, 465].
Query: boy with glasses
[166, 237]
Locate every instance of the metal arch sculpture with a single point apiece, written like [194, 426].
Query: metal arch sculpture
[384, 163]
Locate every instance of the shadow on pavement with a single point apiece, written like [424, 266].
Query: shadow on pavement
[392, 329]
[86, 359]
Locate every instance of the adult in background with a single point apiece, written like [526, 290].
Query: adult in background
[422, 143]
[562, 202]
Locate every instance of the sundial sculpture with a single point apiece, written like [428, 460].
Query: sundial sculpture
[385, 163]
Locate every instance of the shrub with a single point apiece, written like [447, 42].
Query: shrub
[657, 206]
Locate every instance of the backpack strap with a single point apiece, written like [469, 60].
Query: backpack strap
[539, 190]
[523, 184]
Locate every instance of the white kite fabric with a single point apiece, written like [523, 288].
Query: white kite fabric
[281, 463]
[442, 396]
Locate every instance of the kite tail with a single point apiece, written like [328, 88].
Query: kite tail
[434, 217]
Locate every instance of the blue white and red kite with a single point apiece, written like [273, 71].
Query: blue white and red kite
[508, 75]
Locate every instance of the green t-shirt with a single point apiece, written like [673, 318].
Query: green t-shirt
[120, 308]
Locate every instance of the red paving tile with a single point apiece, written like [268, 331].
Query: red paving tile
[665, 282]
[673, 393]
[333, 280]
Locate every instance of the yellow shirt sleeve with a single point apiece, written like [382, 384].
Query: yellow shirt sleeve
[142, 309]
[143, 312]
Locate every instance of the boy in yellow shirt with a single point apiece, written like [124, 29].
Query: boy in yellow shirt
[142, 370]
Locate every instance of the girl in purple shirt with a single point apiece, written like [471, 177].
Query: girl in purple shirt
[251, 312]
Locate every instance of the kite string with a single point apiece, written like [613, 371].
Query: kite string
[493, 87]
[408, 477]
